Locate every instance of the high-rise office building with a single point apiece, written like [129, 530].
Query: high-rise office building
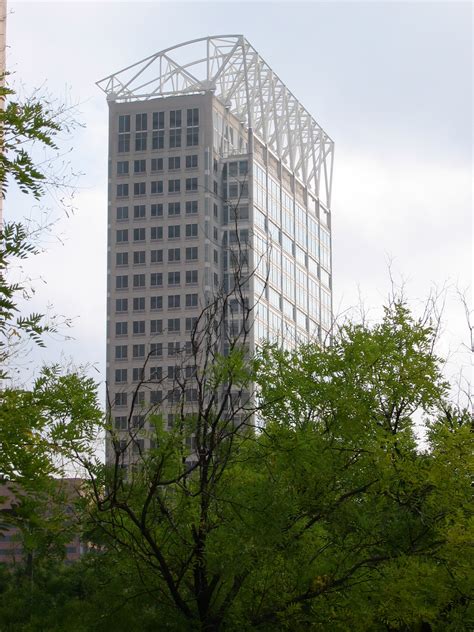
[213, 165]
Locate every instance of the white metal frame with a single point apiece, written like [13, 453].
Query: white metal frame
[231, 68]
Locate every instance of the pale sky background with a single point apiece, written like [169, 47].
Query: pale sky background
[391, 83]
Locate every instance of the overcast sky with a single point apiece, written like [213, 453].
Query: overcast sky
[391, 83]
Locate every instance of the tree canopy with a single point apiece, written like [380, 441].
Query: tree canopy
[331, 516]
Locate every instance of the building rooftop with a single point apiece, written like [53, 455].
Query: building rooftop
[230, 68]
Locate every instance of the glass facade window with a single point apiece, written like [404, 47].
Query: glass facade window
[123, 133]
[175, 128]
[158, 132]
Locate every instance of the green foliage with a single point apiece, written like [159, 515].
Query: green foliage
[40, 428]
[330, 518]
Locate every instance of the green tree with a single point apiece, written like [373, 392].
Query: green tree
[328, 518]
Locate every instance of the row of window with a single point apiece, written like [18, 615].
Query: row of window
[156, 187]
[155, 328]
[138, 303]
[154, 374]
[174, 302]
[156, 165]
[238, 190]
[156, 234]
[158, 120]
[139, 280]
[156, 257]
[156, 210]
[158, 130]
[155, 397]
[139, 327]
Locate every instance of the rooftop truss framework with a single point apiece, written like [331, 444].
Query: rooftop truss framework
[231, 68]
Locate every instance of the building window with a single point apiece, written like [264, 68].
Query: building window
[122, 190]
[173, 372]
[121, 213]
[174, 325]
[156, 210]
[120, 423]
[141, 122]
[138, 351]
[191, 231]
[174, 278]
[191, 253]
[138, 234]
[158, 133]
[156, 279]
[156, 164]
[192, 127]
[120, 399]
[174, 232]
[139, 304]
[156, 373]
[156, 349]
[156, 397]
[120, 376]
[140, 141]
[233, 190]
[174, 301]
[121, 352]
[191, 395]
[156, 326]
[124, 123]
[175, 128]
[121, 259]
[192, 161]
[156, 187]
[191, 184]
[139, 166]
[174, 162]
[139, 188]
[156, 303]
[191, 300]
[124, 133]
[139, 211]
[138, 280]
[190, 323]
[174, 254]
[191, 207]
[174, 208]
[138, 327]
[121, 328]
[122, 168]
[140, 129]
[156, 256]
[174, 186]
[173, 349]
[139, 257]
[121, 282]
[191, 277]
[156, 233]
[121, 305]
[121, 236]
[137, 375]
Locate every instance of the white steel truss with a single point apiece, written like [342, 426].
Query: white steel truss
[231, 68]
